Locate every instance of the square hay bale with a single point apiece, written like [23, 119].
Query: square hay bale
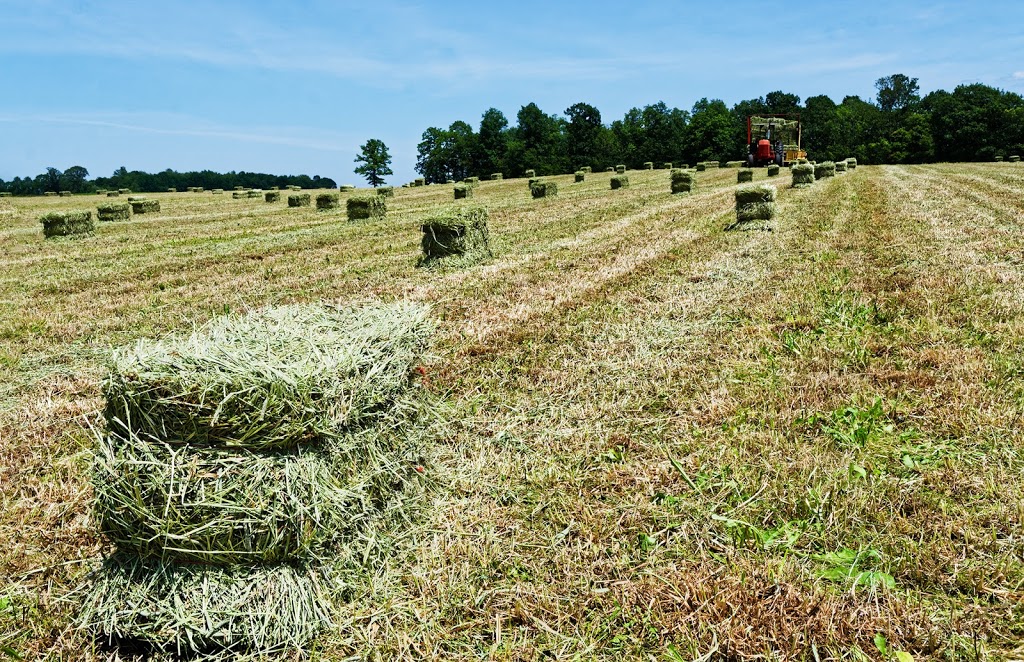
[1014, 159]
[293, 187]
[272, 196]
[239, 195]
[667, 165]
[472, 181]
[683, 181]
[803, 175]
[386, 191]
[530, 173]
[172, 190]
[455, 236]
[328, 201]
[5, 194]
[65, 194]
[999, 159]
[648, 165]
[735, 164]
[145, 206]
[620, 169]
[542, 189]
[587, 169]
[755, 202]
[840, 166]
[113, 194]
[298, 200]
[824, 170]
[419, 181]
[50, 194]
[744, 175]
[67, 223]
[620, 181]
[497, 176]
[114, 212]
[239, 188]
[610, 169]
[701, 167]
[580, 176]
[712, 164]
[367, 207]
[275, 188]
[347, 188]
[449, 181]
[101, 191]
[463, 191]
[217, 191]
[124, 191]
[254, 193]
[773, 170]
[851, 163]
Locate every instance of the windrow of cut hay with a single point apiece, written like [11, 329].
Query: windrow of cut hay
[145, 206]
[244, 465]
[456, 236]
[803, 175]
[755, 202]
[367, 207]
[683, 181]
[67, 223]
[114, 211]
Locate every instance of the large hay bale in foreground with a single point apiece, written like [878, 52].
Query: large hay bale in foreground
[114, 212]
[682, 181]
[580, 176]
[145, 206]
[542, 189]
[455, 236]
[367, 207]
[840, 166]
[298, 200]
[824, 170]
[803, 175]
[619, 181]
[744, 175]
[620, 169]
[272, 196]
[67, 223]
[463, 191]
[386, 191]
[773, 170]
[328, 201]
[755, 202]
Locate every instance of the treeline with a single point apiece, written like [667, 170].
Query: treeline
[76, 179]
[971, 123]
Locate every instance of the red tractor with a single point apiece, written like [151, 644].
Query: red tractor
[773, 139]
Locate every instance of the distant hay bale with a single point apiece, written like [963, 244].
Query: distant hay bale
[773, 170]
[648, 165]
[420, 181]
[824, 170]
[543, 189]
[755, 202]
[145, 206]
[683, 181]
[298, 200]
[496, 176]
[367, 207]
[346, 188]
[620, 181]
[294, 187]
[711, 165]
[701, 167]
[610, 169]
[114, 212]
[840, 166]
[580, 176]
[999, 159]
[735, 164]
[67, 223]
[172, 190]
[101, 191]
[386, 191]
[124, 191]
[472, 181]
[447, 181]
[217, 191]
[803, 175]
[50, 194]
[667, 165]
[272, 196]
[620, 169]
[1014, 159]
[239, 195]
[685, 166]
[239, 188]
[530, 173]
[587, 169]
[5, 194]
[744, 175]
[65, 194]
[199, 189]
[463, 191]
[254, 193]
[275, 188]
[455, 236]
[851, 163]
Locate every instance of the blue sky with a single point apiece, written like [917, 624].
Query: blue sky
[295, 87]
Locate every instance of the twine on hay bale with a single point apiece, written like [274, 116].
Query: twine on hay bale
[683, 181]
[386, 191]
[744, 175]
[456, 236]
[619, 181]
[298, 200]
[144, 206]
[67, 223]
[328, 201]
[542, 189]
[755, 202]
[824, 170]
[803, 175]
[580, 176]
[272, 196]
[463, 191]
[367, 207]
[114, 212]
[773, 170]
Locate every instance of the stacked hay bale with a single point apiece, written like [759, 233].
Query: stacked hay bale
[420, 181]
[497, 176]
[773, 170]
[648, 165]
[386, 191]
[5, 194]
[580, 176]
[67, 223]
[463, 191]
[244, 466]
[755, 202]
[711, 165]
[682, 181]
[346, 188]
[851, 163]
[1014, 159]
[744, 175]
[840, 167]
[620, 181]
[144, 206]
[254, 193]
[272, 196]
[803, 175]
[530, 173]
[367, 207]
[114, 212]
[620, 169]
[455, 236]
[298, 200]
[542, 189]
[667, 165]
[328, 201]
[824, 170]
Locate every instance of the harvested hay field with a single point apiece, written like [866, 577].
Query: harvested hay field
[664, 440]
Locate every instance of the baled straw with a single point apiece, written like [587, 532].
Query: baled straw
[755, 202]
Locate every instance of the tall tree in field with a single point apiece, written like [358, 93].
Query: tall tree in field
[74, 178]
[376, 162]
[583, 134]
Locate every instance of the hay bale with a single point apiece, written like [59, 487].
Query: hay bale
[840, 166]
[803, 175]
[386, 191]
[419, 181]
[254, 193]
[587, 169]
[497, 176]
[172, 190]
[530, 182]
[542, 189]
[298, 200]
[239, 195]
[999, 159]
[199, 189]
[5, 194]
[851, 163]
[50, 194]
[530, 173]
[683, 181]
[463, 191]
[114, 212]
[113, 194]
[144, 206]
[346, 188]
[648, 165]
[472, 181]
[275, 188]
[239, 188]
[101, 191]
[744, 175]
[65, 194]
[773, 170]
[610, 169]
[67, 223]
[824, 170]
[620, 181]
[701, 167]
[620, 169]
[667, 165]
[328, 201]
[293, 187]
[580, 176]
[217, 191]
[124, 191]
[367, 207]
[755, 202]
[1014, 159]
[455, 236]
[272, 196]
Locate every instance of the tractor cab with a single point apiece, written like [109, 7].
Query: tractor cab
[773, 139]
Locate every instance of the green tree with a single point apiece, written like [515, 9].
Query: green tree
[51, 179]
[492, 143]
[375, 160]
[583, 134]
[711, 133]
[897, 92]
[74, 178]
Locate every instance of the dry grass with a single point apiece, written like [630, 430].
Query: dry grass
[668, 441]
